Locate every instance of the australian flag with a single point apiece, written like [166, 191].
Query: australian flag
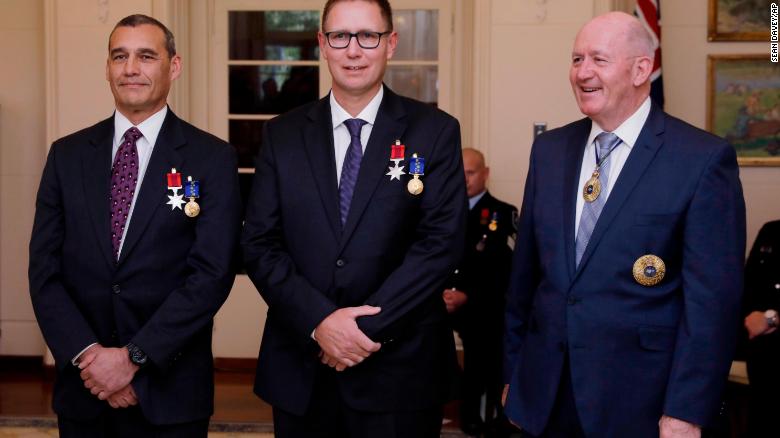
[649, 14]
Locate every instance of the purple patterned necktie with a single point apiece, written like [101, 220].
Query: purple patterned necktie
[124, 177]
[351, 166]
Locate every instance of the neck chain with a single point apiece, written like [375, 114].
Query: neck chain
[592, 188]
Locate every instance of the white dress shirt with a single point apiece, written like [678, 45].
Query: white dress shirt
[628, 132]
[150, 128]
[341, 137]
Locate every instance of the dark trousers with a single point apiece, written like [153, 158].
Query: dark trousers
[329, 417]
[564, 421]
[764, 394]
[482, 374]
[128, 423]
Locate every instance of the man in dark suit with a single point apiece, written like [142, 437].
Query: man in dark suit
[125, 278]
[355, 220]
[762, 302]
[475, 299]
[627, 276]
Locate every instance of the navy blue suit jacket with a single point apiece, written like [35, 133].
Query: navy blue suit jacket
[172, 276]
[395, 251]
[636, 352]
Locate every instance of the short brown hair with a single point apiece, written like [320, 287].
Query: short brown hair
[139, 19]
[384, 7]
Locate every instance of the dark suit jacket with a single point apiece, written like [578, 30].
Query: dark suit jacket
[173, 274]
[395, 252]
[483, 274]
[762, 292]
[635, 352]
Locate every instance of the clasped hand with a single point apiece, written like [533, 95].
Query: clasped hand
[107, 373]
[341, 342]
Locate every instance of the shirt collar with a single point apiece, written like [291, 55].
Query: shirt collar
[339, 114]
[150, 128]
[629, 130]
[474, 199]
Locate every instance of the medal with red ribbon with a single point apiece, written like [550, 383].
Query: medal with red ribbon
[174, 184]
[396, 156]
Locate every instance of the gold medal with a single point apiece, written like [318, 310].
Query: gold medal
[649, 270]
[415, 185]
[592, 188]
[192, 208]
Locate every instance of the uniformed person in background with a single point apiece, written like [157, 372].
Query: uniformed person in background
[762, 303]
[475, 299]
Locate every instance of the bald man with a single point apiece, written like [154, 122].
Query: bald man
[475, 299]
[626, 283]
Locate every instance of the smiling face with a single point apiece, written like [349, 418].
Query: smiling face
[609, 70]
[140, 71]
[357, 72]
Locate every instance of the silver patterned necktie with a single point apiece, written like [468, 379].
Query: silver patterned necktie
[606, 142]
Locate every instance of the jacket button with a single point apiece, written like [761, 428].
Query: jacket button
[340, 263]
[115, 288]
[572, 300]
[562, 346]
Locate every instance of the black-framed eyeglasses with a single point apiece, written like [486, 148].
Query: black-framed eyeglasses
[368, 40]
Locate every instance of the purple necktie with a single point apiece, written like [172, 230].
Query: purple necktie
[124, 177]
[349, 171]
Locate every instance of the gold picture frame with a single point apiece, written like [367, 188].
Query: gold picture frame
[743, 106]
[738, 20]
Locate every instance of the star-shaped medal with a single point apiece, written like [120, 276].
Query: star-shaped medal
[396, 172]
[175, 201]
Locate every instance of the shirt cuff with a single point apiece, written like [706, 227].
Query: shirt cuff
[75, 360]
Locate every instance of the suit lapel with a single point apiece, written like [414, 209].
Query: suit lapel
[388, 127]
[642, 154]
[573, 164]
[153, 189]
[318, 142]
[97, 179]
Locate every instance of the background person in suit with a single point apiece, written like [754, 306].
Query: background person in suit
[762, 302]
[125, 284]
[624, 304]
[351, 261]
[475, 299]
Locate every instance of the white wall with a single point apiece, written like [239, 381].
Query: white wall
[22, 152]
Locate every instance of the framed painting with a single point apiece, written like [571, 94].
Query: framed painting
[738, 20]
[743, 106]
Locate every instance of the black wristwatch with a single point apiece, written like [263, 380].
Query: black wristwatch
[137, 356]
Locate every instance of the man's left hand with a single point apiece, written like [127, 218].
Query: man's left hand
[107, 371]
[674, 428]
[333, 362]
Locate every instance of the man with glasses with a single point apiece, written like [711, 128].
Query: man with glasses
[356, 218]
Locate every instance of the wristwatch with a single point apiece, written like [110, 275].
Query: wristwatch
[137, 356]
[771, 318]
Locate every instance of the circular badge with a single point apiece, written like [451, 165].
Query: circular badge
[592, 189]
[415, 186]
[192, 209]
[649, 270]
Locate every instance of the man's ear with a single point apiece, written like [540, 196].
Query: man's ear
[643, 67]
